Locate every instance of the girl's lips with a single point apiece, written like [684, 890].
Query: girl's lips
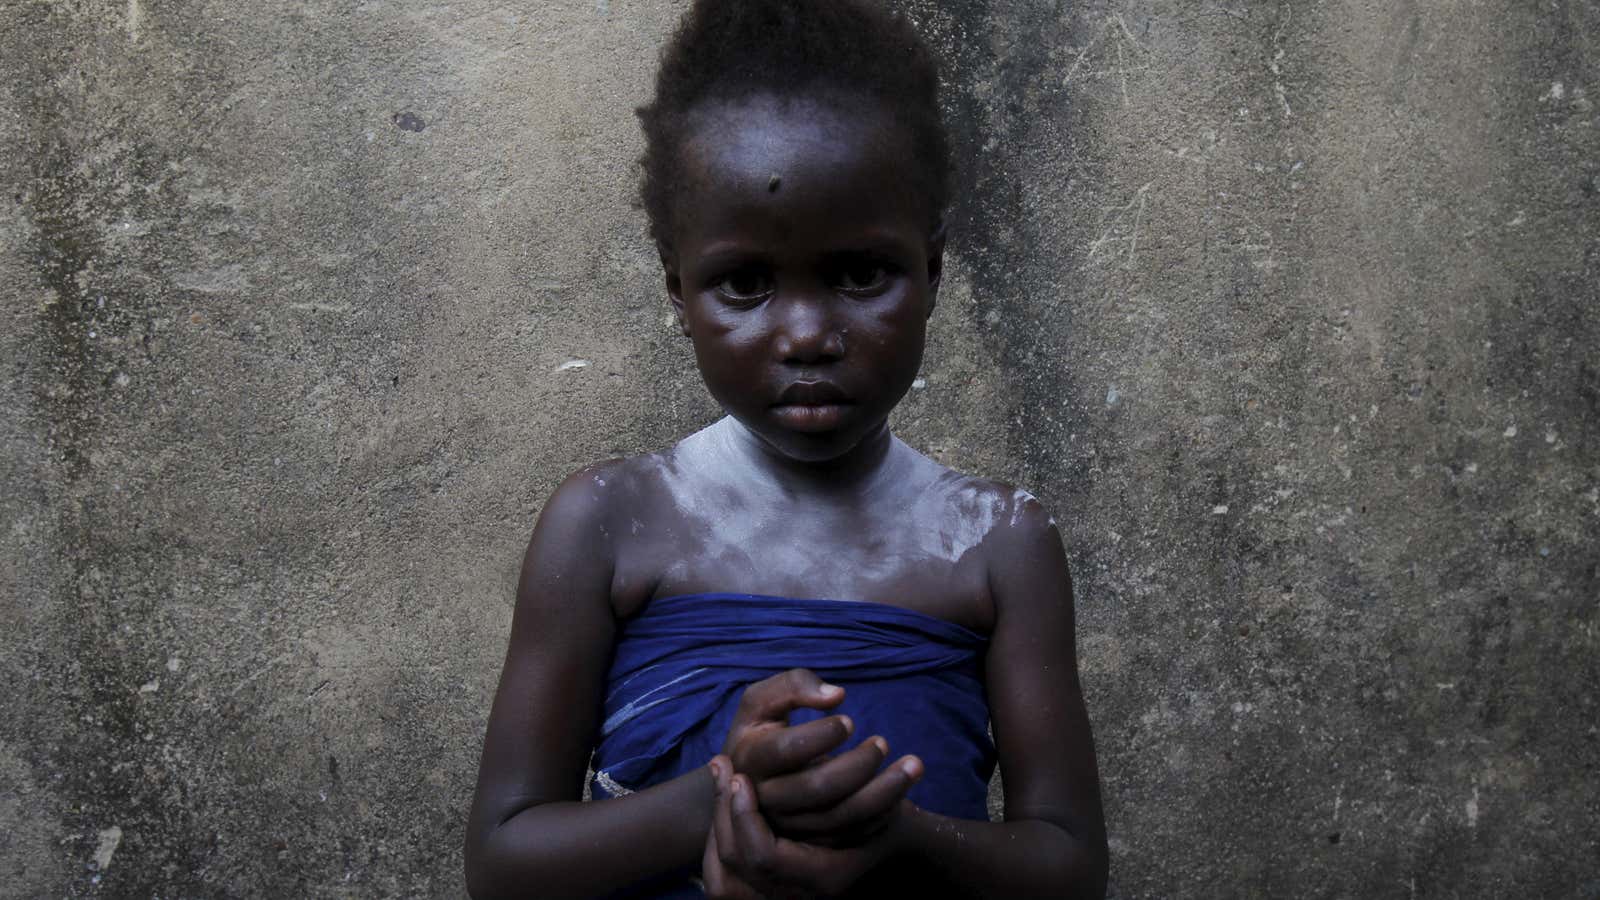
[812, 393]
[811, 417]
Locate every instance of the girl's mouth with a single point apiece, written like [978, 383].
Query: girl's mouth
[811, 417]
[812, 406]
[812, 393]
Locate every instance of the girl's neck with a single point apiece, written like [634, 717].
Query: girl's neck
[868, 464]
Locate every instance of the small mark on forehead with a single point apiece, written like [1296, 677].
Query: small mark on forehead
[773, 183]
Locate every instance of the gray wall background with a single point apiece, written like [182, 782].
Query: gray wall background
[1287, 309]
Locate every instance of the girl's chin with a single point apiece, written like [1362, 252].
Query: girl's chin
[815, 447]
[809, 435]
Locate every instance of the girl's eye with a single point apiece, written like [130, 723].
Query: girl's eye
[744, 285]
[862, 277]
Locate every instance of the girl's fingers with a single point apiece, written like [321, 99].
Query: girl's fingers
[744, 843]
[760, 740]
[712, 875]
[771, 751]
[772, 699]
[722, 817]
[720, 884]
[822, 786]
[862, 812]
[717, 883]
[756, 860]
[755, 849]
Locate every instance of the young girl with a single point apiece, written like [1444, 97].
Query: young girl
[747, 740]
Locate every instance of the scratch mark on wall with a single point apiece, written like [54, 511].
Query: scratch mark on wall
[1126, 47]
[1121, 224]
[258, 673]
[1276, 65]
[134, 20]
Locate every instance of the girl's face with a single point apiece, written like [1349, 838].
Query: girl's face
[803, 268]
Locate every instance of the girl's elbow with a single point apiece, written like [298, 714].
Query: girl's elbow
[489, 877]
[501, 862]
[482, 883]
[1081, 866]
[1090, 870]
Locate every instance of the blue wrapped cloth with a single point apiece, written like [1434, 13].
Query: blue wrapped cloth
[682, 664]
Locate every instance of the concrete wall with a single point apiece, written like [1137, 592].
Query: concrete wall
[1288, 309]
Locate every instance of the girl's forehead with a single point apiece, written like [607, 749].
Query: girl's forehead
[754, 140]
[766, 165]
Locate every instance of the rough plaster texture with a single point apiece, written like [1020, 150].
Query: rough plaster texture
[1286, 308]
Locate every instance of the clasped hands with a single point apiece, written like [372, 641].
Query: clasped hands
[790, 820]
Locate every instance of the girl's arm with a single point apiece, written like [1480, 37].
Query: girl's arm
[1053, 840]
[528, 830]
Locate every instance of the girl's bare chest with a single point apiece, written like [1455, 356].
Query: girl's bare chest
[794, 551]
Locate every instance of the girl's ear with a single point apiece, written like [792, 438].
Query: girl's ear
[935, 264]
[669, 269]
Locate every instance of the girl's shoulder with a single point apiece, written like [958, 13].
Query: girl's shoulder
[601, 513]
[977, 507]
[624, 501]
[985, 535]
[601, 491]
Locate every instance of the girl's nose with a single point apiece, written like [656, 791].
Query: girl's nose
[806, 332]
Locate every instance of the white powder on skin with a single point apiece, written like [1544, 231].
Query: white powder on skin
[743, 520]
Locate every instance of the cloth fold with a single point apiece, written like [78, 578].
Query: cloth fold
[682, 664]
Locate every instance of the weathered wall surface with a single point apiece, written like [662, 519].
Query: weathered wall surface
[1288, 309]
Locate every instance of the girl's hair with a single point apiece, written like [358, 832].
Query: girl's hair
[731, 49]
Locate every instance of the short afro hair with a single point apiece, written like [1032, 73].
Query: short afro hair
[727, 50]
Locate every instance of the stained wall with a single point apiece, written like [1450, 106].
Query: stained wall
[1287, 309]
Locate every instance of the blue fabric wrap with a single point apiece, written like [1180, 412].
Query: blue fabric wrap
[681, 666]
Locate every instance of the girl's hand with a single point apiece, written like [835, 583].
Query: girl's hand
[837, 801]
[745, 860]
[843, 802]
[760, 741]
